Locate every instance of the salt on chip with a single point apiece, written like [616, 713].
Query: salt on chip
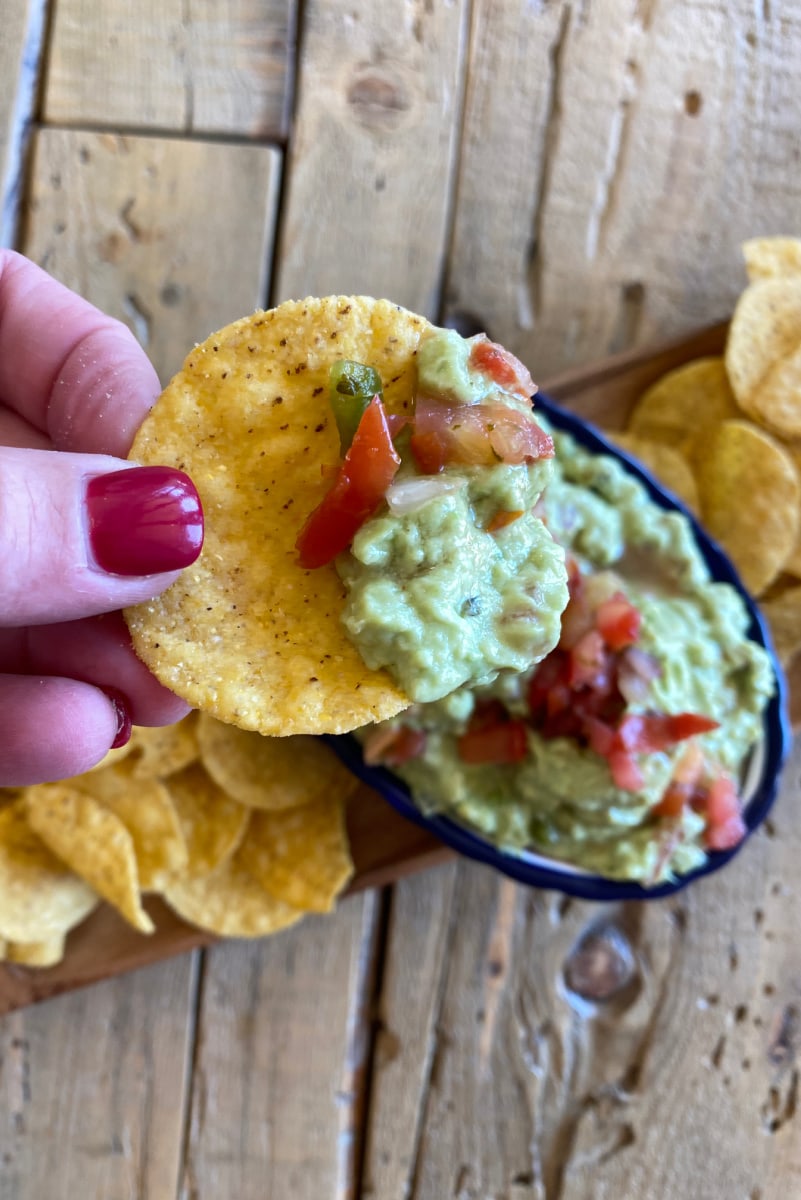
[768, 257]
[213, 824]
[783, 614]
[230, 903]
[46, 953]
[667, 464]
[763, 354]
[270, 773]
[40, 897]
[684, 404]
[92, 841]
[246, 633]
[750, 493]
[301, 855]
[146, 810]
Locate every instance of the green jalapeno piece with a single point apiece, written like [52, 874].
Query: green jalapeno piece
[352, 387]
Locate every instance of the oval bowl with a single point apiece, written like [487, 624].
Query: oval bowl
[762, 774]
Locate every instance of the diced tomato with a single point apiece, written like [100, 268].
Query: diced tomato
[599, 735]
[396, 746]
[474, 435]
[725, 826]
[686, 785]
[625, 771]
[675, 799]
[501, 367]
[648, 733]
[363, 478]
[618, 622]
[504, 742]
[504, 517]
[551, 673]
[727, 835]
[590, 663]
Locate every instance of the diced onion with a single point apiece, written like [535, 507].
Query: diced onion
[409, 495]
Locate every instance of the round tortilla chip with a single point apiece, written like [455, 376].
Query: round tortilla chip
[766, 258]
[246, 633]
[213, 824]
[40, 897]
[92, 841]
[763, 354]
[750, 492]
[270, 773]
[301, 855]
[667, 464]
[46, 953]
[160, 750]
[230, 903]
[684, 404]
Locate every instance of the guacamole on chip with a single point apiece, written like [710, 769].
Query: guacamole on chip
[369, 485]
[622, 751]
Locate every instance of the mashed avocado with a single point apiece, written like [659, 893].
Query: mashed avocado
[560, 798]
[439, 592]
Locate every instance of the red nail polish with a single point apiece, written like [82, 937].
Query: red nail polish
[144, 520]
[124, 719]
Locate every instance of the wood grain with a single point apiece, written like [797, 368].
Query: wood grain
[93, 1090]
[141, 227]
[20, 53]
[279, 1063]
[372, 151]
[629, 173]
[179, 66]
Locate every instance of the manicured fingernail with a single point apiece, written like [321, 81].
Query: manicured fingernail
[124, 720]
[144, 520]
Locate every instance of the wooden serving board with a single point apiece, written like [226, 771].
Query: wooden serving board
[385, 847]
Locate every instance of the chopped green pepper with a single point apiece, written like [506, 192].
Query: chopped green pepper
[352, 387]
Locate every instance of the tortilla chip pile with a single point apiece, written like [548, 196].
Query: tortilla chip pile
[246, 633]
[240, 834]
[725, 435]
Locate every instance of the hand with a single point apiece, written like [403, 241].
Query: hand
[82, 532]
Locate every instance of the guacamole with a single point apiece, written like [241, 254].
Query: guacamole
[456, 578]
[621, 752]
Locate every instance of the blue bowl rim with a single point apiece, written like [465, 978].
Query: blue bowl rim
[596, 887]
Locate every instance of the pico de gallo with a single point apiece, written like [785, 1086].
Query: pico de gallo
[451, 574]
[622, 750]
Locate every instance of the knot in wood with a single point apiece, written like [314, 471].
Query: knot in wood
[378, 98]
[600, 965]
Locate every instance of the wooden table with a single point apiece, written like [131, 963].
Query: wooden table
[577, 177]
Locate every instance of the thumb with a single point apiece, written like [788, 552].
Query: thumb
[85, 533]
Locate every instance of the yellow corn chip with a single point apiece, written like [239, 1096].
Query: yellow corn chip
[301, 855]
[37, 954]
[684, 404]
[270, 773]
[783, 614]
[40, 897]
[246, 633]
[91, 840]
[763, 354]
[230, 903]
[158, 751]
[213, 825]
[768, 257]
[750, 492]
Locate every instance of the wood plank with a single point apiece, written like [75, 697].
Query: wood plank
[182, 66]
[280, 1061]
[607, 1050]
[20, 53]
[408, 1014]
[600, 199]
[372, 151]
[141, 227]
[93, 1090]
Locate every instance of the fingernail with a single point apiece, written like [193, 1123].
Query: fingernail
[124, 720]
[144, 520]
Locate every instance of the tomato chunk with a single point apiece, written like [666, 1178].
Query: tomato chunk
[474, 435]
[725, 825]
[361, 483]
[625, 771]
[618, 622]
[501, 367]
[648, 733]
[493, 737]
[392, 747]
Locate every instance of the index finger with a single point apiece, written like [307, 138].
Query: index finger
[75, 374]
